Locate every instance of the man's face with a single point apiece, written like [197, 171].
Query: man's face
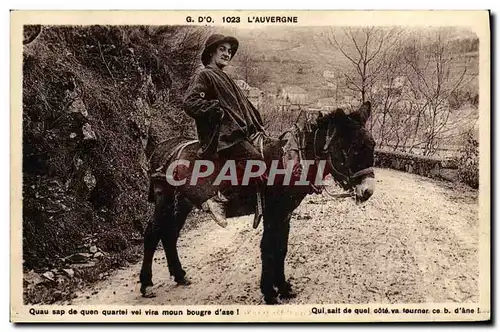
[222, 55]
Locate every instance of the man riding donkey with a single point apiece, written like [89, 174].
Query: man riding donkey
[227, 122]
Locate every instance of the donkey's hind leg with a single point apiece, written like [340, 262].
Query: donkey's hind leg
[152, 236]
[170, 234]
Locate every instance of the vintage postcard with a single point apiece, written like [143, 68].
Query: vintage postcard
[250, 166]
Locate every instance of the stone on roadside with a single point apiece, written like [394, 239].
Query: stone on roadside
[49, 275]
[79, 258]
[69, 272]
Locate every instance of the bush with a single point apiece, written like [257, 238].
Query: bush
[468, 162]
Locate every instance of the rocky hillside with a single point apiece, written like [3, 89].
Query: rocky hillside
[95, 102]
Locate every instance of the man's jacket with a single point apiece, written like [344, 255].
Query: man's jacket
[213, 95]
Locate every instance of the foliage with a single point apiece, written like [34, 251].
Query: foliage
[468, 162]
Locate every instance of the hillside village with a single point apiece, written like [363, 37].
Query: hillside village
[308, 71]
[293, 97]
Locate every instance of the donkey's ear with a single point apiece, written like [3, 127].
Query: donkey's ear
[321, 119]
[340, 119]
[363, 114]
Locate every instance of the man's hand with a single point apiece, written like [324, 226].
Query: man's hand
[216, 111]
[219, 113]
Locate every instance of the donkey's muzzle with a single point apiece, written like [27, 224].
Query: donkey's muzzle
[365, 189]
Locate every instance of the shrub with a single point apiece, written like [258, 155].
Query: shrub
[468, 162]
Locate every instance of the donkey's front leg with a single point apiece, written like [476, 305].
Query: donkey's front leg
[268, 257]
[284, 288]
[273, 250]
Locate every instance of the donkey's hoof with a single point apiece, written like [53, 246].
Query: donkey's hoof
[288, 295]
[271, 300]
[286, 292]
[183, 281]
[148, 292]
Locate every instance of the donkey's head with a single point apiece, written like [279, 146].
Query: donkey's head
[348, 149]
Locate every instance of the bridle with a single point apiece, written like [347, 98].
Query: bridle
[325, 151]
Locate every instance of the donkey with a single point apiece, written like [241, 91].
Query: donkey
[339, 139]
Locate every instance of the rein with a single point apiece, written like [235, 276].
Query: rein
[327, 152]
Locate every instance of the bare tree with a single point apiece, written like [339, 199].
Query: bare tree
[365, 49]
[433, 76]
[388, 95]
[248, 68]
[245, 63]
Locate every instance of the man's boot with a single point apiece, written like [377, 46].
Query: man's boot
[216, 207]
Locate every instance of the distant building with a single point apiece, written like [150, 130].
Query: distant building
[325, 104]
[294, 97]
[254, 94]
[328, 74]
[396, 86]
[331, 85]
[243, 85]
[348, 102]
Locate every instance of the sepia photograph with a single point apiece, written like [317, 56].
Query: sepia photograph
[250, 166]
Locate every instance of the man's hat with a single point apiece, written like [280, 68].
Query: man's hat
[215, 40]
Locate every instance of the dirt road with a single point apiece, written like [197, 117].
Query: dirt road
[415, 240]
